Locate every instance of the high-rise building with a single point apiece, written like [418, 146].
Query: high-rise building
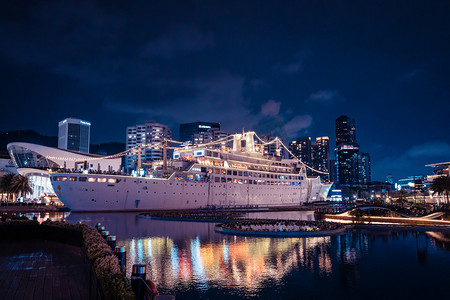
[345, 130]
[155, 135]
[151, 134]
[212, 134]
[316, 156]
[364, 168]
[321, 157]
[74, 134]
[333, 170]
[188, 130]
[136, 135]
[352, 167]
[273, 149]
[302, 149]
[347, 164]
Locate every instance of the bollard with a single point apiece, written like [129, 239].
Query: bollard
[111, 241]
[98, 225]
[105, 234]
[121, 254]
[138, 275]
[101, 228]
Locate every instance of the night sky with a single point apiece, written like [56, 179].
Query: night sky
[289, 68]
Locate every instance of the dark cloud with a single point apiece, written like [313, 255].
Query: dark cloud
[270, 108]
[297, 125]
[294, 66]
[324, 96]
[430, 149]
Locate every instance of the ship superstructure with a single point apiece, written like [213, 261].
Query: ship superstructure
[228, 173]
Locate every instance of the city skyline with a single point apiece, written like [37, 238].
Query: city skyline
[289, 69]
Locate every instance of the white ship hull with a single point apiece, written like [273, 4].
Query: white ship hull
[200, 177]
[141, 193]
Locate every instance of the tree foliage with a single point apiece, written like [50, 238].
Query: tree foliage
[15, 185]
[441, 186]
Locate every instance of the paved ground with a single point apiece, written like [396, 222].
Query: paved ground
[39, 269]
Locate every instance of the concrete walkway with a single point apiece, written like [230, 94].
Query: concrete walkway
[37, 269]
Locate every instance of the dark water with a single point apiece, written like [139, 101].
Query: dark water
[191, 261]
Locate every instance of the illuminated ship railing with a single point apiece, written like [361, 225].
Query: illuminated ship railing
[253, 160]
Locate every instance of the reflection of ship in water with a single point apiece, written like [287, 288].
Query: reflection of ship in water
[440, 239]
[187, 256]
[232, 262]
[186, 253]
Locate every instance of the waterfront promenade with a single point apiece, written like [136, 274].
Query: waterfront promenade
[43, 269]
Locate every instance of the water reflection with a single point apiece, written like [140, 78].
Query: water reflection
[440, 239]
[44, 216]
[231, 262]
[191, 260]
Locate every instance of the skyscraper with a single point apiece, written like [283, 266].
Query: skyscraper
[74, 134]
[347, 164]
[347, 151]
[364, 168]
[155, 135]
[188, 130]
[316, 156]
[321, 157]
[302, 149]
[135, 136]
[345, 130]
[274, 149]
[352, 167]
[152, 134]
[210, 135]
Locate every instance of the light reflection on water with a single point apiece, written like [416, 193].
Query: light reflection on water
[191, 260]
[44, 216]
[231, 263]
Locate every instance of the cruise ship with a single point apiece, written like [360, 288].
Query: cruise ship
[197, 177]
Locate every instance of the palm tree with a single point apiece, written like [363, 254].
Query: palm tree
[5, 184]
[401, 196]
[20, 184]
[441, 186]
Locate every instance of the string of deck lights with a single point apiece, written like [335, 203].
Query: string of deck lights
[140, 146]
[284, 146]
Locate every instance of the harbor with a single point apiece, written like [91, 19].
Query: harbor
[191, 259]
[156, 150]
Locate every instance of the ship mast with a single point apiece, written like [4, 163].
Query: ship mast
[165, 154]
[139, 162]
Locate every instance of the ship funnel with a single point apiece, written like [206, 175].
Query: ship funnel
[244, 142]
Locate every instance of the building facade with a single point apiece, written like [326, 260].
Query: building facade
[347, 164]
[136, 135]
[74, 134]
[34, 160]
[212, 134]
[188, 130]
[316, 155]
[151, 134]
[364, 168]
[321, 156]
[345, 130]
[302, 149]
[352, 166]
